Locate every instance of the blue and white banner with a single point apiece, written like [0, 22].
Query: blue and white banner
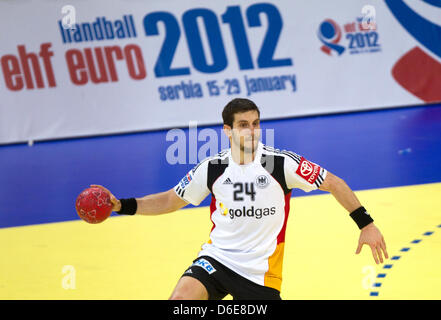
[70, 69]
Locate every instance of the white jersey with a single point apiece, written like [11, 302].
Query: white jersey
[249, 207]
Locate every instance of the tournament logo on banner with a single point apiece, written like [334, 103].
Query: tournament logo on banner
[109, 67]
[360, 36]
[416, 71]
[330, 34]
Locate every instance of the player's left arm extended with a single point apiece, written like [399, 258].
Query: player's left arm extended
[370, 234]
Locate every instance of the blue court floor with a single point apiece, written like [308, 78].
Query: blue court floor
[369, 150]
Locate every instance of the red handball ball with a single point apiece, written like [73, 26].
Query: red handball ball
[93, 205]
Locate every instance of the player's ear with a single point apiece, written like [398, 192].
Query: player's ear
[227, 130]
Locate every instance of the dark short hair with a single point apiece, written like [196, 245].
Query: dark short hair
[238, 105]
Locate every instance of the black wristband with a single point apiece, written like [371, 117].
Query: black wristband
[128, 206]
[361, 217]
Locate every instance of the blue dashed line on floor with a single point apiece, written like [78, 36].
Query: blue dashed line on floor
[389, 266]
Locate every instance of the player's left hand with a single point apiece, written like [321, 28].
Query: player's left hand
[371, 236]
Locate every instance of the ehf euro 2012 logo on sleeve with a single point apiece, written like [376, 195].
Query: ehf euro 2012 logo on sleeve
[355, 37]
[419, 69]
[186, 180]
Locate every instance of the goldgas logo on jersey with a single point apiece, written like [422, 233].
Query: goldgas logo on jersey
[223, 209]
[355, 37]
[252, 212]
[416, 71]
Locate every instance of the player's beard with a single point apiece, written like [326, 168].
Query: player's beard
[246, 145]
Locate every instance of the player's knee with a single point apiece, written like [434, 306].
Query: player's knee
[181, 292]
[177, 296]
[189, 289]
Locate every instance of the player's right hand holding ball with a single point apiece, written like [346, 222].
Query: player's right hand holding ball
[115, 202]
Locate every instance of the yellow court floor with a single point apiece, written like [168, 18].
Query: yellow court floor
[143, 257]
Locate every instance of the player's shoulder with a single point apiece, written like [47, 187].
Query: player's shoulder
[219, 158]
[222, 155]
[287, 155]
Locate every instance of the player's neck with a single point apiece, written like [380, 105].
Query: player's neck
[241, 157]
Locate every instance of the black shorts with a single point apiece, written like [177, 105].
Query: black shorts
[220, 281]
